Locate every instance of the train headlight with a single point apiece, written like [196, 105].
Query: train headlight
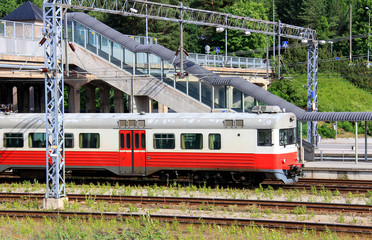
[284, 160]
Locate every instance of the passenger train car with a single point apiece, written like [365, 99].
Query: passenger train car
[223, 147]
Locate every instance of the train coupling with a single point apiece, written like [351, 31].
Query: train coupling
[295, 171]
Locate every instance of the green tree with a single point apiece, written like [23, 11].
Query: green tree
[7, 6]
[237, 41]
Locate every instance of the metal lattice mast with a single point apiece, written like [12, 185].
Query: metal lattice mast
[312, 89]
[53, 54]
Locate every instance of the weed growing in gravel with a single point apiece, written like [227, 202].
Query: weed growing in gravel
[290, 196]
[341, 218]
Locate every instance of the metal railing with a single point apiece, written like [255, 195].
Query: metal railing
[19, 30]
[344, 156]
[229, 61]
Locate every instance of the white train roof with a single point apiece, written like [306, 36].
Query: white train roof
[152, 120]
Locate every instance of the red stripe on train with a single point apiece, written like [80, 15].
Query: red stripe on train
[158, 159]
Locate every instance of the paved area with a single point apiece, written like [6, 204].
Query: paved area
[335, 159]
[344, 145]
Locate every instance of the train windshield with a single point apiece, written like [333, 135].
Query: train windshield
[287, 136]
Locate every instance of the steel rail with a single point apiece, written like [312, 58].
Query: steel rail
[291, 205]
[336, 181]
[355, 229]
[343, 189]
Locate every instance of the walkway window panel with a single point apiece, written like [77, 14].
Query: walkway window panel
[92, 42]
[220, 97]
[194, 87]
[69, 30]
[206, 91]
[103, 47]
[27, 31]
[237, 100]
[181, 82]
[79, 34]
[2, 28]
[141, 63]
[249, 103]
[19, 30]
[155, 66]
[117, 54]
[9, 29]
[128, 61]
[169, 73]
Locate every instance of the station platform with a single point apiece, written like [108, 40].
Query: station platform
[341, 159]
[338, 170]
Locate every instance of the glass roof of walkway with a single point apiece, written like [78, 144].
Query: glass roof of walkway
[145, 63]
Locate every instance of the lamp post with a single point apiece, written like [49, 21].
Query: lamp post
[369, 27]
[331, 42]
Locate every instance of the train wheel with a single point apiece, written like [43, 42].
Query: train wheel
[256, 179]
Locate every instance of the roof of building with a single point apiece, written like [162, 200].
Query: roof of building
[26, 12]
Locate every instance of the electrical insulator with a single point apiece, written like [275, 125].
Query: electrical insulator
[72, 47]
[42, 41]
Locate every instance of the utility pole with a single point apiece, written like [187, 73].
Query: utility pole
[274, 30]
[369, 29]
[181, 40]
[351, 32]
[279, 49]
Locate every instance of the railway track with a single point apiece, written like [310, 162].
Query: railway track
[145, 200]
[343, 186]
[223, 221]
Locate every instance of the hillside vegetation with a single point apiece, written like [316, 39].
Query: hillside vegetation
[335, 94]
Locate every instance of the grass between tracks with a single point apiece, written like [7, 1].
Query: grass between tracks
[146, 228]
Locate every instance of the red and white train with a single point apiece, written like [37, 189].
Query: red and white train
[224, 147]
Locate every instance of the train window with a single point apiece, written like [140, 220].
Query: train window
[264, 137]
[122, 140]
[136, 141]
[164, 141]
[13, 140]
[143, 141]
[191, 141]
[69, 140]
[214, 141]
[89, 140]
[128, 141]
[287, 136]
[36, 140]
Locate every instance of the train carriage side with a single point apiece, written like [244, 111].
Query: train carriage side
[237, 145]
[243, 147]
[89, 145]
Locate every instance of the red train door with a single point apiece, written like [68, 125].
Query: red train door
[132, 152]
